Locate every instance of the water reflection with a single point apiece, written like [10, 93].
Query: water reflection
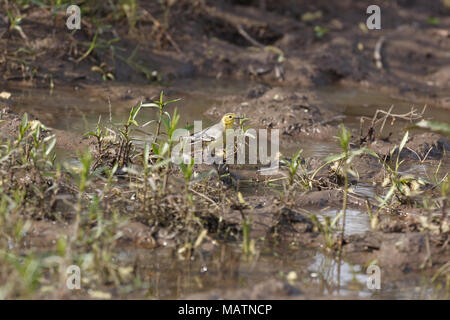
[356, 221]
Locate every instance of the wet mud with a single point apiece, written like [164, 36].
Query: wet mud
[269, 63]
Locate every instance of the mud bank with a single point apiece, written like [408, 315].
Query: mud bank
[303, 44]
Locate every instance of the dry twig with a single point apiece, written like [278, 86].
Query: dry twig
[409, 116]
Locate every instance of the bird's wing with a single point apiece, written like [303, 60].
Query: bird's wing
[206, 135]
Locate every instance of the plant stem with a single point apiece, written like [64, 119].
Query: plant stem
[344, 209]
[158, 128]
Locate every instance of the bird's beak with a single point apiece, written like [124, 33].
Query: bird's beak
[238, 118]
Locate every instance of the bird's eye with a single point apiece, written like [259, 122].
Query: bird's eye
[230, 117]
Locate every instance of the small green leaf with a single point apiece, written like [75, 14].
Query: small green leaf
[50, 147]
[404, 140]
[150, 105]
[334, 157]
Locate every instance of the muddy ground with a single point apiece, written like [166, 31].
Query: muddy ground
[207, 38]
[275, 46]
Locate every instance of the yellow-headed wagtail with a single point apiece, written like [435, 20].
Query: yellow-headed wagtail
[213, 134]
[213, 137]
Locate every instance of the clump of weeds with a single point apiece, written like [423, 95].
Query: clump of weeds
[296, 177]
[115, 182]
[403, 188]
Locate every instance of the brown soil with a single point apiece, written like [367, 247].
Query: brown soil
[205, 38]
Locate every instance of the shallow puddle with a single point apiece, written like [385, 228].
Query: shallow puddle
[226, 267]
[356, 221]
[320, 274]
[357, 102]
[74, 110]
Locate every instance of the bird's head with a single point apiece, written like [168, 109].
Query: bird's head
[228, 119]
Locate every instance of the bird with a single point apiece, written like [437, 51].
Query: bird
[211, 136]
